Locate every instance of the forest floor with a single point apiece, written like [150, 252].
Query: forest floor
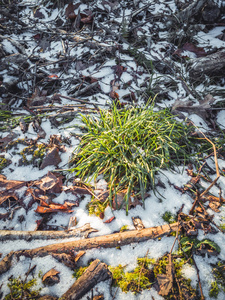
[59, 61]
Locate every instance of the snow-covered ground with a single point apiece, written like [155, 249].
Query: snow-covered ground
[53, 49]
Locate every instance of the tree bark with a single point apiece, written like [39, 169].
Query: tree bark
[193, 9]
[106, 241]
[210, 64]
[94, 274]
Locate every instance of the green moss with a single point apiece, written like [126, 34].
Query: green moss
[21, 289]
[37, 151]
[222, 226]
[219, 276]
[96, 207]
[3, 163]
[160, 266]
[124, 228]
[40, 152]
[169, 217]
[79, 271]
[214, 290]
[139, 279]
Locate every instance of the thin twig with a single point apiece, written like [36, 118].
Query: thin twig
[199, 281]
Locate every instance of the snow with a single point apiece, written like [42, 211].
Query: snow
[170, 198]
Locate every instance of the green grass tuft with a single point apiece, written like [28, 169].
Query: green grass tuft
[129, 146]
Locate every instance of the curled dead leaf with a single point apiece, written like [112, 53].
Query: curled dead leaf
[51, 277]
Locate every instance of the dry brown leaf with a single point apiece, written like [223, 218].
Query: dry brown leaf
[37, 98]
[109, 220]
[67, 259]
[165, 281]
[7, 139]
[187, 106]
[23, 125]
[8, 188]
[199, 51]
[51, 159]
[38, 14]
[51, 272]
[86, 19]
[165, 284]
[214, 206]
[77, 190]
[53, 207]
[37, 128]
[69, 12]
[50, 183]
[51, 277]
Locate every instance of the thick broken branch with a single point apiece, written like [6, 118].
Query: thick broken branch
[210, 64]
[94, 274]
[106, 241]
[193, 9]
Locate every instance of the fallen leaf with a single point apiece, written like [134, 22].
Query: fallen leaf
[50, 183]
[109, 220]
[37, 128]
[72, 222]
[187, 106]
[114, 95]
[165, 281]
[214, 206]
[119, 70]
[69, 12]
[102, 215]
[51, 159]
[38, 14]
[9, 187]
[77, 190]
[67, 259]
[36, 99]
[7, 139]
[199, 51]
[51, 277]
[52, 77]
[87, 19]
[90, 79]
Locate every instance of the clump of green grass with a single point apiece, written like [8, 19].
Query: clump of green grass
[129, 146]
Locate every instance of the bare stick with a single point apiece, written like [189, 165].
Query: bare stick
[106, 241]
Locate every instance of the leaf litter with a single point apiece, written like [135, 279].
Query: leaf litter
[64, 54]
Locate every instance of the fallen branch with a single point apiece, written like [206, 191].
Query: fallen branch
[12, 235]
[210, 64]
[106, 241]
[193, 9]
[94, 274]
